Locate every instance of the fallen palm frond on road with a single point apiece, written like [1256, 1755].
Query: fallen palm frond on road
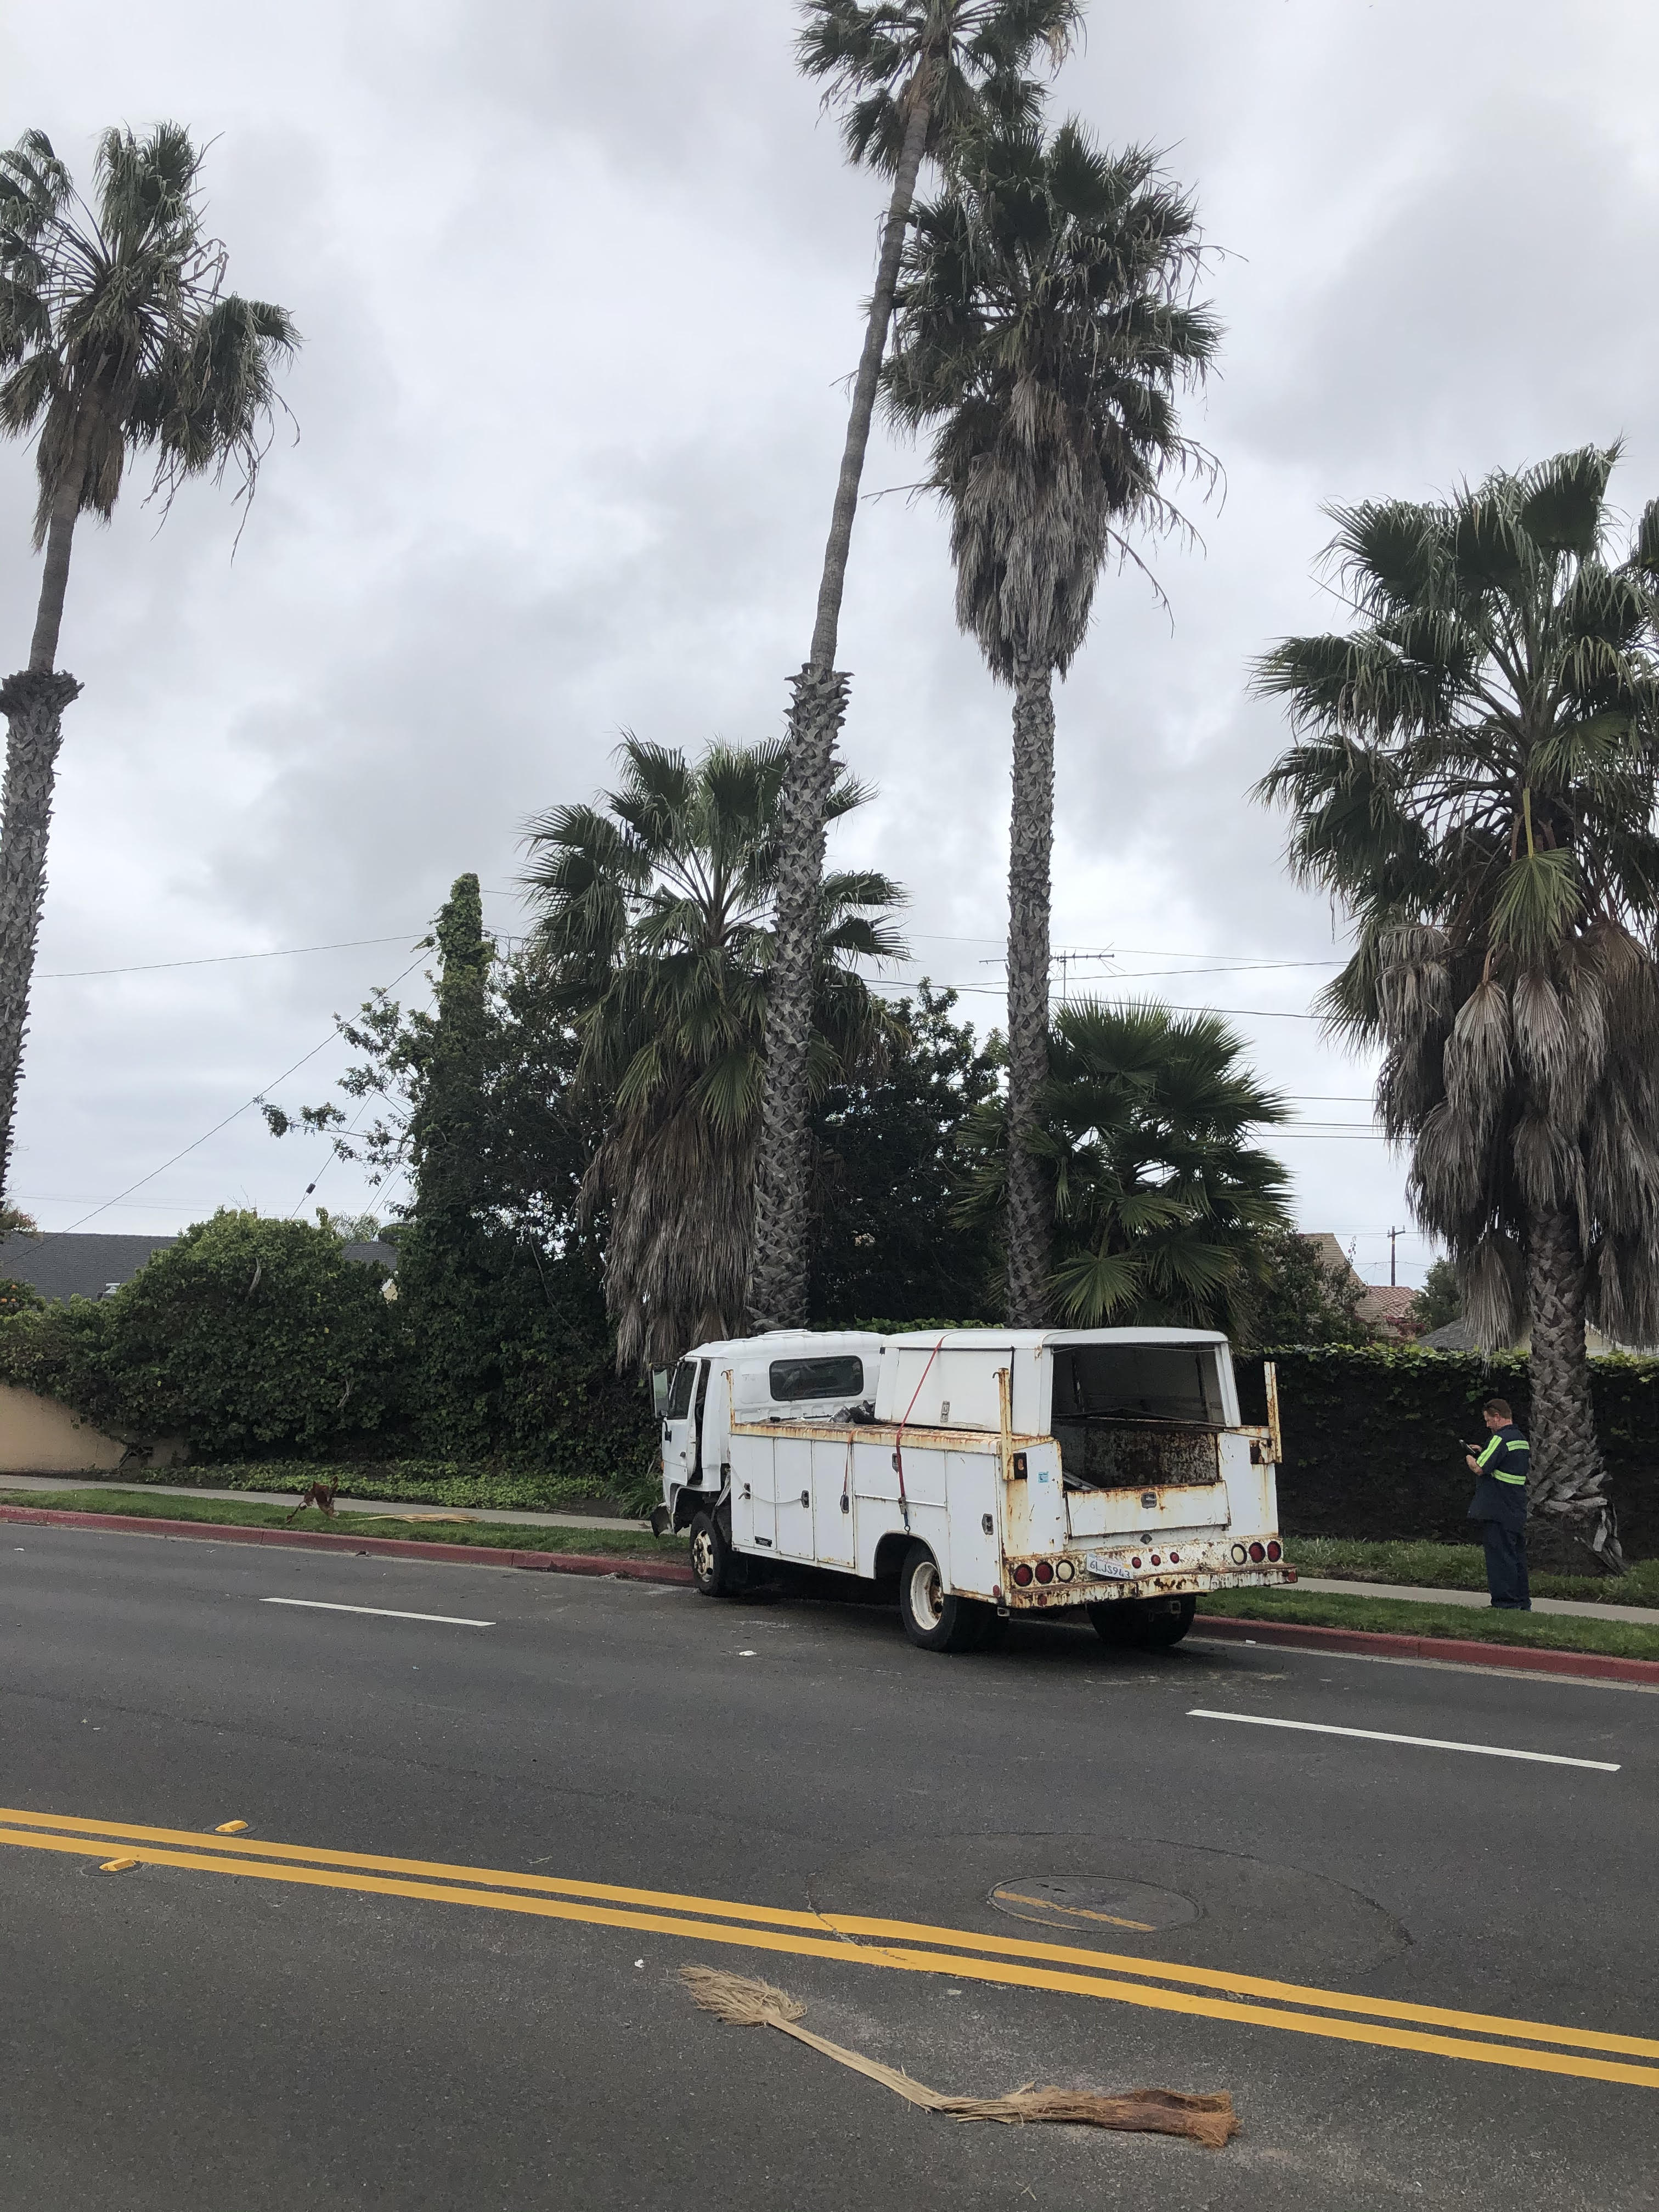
[745, 2003]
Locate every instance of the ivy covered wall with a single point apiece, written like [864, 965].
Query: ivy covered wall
[1374, 1438]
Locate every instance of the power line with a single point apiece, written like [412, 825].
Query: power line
[197, 1142]
[219, 959]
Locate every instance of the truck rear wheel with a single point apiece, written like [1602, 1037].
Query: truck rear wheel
[716, 1568]
[934, 1618]
[1143, 1623]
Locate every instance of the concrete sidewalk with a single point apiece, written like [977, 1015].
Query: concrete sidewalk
[411, 1511]
[1647, 1615]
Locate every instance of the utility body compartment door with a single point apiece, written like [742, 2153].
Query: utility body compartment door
[754, 1520]
[1128, 1512]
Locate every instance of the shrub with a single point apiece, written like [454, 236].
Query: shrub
[246, 1334]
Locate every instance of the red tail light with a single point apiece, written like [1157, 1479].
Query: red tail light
[1175, 1559]
[1045, 1573]
[1273, 1551]
[1023, 1575]
[1257, 1553]
[1135, 1562]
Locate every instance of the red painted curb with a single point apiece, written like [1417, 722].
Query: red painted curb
[1464, 1651]
[387, 1548]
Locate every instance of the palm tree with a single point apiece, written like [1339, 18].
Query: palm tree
[115, 339]
[1165, 1212]
[656, 932]
[1044, 327]
[1472, 778]
[910, 77]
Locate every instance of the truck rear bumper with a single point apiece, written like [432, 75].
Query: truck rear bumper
[1086, 1589]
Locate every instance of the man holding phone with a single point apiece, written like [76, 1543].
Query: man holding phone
[1500, 1505]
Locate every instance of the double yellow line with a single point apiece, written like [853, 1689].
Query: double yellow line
[853, 1939]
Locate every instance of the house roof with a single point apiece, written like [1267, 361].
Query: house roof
[76, 1267]
[85, 1265]
[1387, 1301]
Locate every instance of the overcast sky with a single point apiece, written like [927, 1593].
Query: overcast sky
[580, 288]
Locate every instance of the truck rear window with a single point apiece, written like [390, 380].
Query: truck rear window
[841, 1376]
[1137, 1416]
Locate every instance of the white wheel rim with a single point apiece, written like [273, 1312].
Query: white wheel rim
[927, 1594]
[702, 1555]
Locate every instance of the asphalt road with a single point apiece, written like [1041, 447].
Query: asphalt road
[277, 2031]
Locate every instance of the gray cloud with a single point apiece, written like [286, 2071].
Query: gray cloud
[579, 289]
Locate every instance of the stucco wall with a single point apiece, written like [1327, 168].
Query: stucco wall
[39, 1436]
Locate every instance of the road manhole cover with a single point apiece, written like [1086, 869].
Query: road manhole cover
[1084, 1901]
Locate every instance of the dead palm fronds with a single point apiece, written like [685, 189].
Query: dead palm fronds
[744, 2003]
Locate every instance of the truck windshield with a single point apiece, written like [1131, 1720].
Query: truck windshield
[679, 1398]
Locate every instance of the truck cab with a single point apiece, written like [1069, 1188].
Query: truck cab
[787, 1375]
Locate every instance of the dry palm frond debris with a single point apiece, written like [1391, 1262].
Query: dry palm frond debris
[744, 2003]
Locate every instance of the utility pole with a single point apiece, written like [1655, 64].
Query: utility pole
[1394, 1236]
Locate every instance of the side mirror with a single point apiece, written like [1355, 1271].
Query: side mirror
[659, 1390]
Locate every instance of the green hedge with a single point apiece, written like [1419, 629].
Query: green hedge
[258, 1340]
[1373, 1437]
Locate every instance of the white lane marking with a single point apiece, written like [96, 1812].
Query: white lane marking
[1423, 1742]
[380, 1612]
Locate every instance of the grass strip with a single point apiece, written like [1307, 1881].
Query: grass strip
[1457, 1566]
[1542, 1632]
[246, 1513]
[421, 1481]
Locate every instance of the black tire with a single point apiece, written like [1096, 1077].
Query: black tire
[1143, 1623]
[1167, 1621]
[934, 1620]
[717, 1571]
[1116, 1621]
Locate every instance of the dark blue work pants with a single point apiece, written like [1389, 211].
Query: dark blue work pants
[1506, 1566]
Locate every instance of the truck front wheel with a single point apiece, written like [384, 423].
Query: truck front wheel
[934, 1618]
[716, 1568]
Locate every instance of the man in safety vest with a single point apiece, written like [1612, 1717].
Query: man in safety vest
[1500, 1505]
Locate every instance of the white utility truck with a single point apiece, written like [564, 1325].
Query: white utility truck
[985, 1471]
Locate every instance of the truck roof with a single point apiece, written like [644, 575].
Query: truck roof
[1023, 1340]
[778, 1341]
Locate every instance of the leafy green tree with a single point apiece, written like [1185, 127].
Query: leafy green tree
[656, 934]
[17, 1298]
[1044, 329]
[500, 1285]
[1472, 778]
[115, 339]
[910, 77]
[889, 1241]
[1302, 1301]
[1440, 1301]
[1163, 1207]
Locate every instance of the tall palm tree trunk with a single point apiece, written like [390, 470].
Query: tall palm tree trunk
[1574, 1530]
[1030, 849]
[32, 702]
[777, 1263]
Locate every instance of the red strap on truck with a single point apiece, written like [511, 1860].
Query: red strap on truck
[898, 1436]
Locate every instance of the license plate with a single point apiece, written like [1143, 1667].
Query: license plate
[1106, 1568]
